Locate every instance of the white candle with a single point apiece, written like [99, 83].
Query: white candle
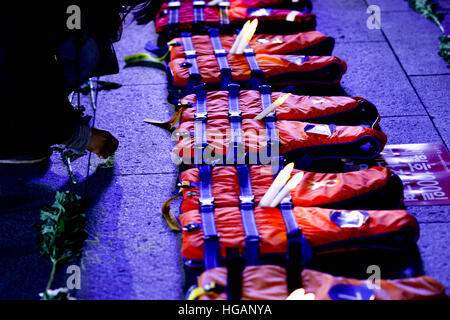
[247, 36]
[239, 37]
[272, 107]
[287, 189]
[214, 2]
[277, 184]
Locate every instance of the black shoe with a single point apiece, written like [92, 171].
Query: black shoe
[33, 158]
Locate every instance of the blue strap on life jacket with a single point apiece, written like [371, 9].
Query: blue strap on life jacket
[224, 13]
[210, 235]
[191, 62]
[236, 148]
[174, 13]
[246, 204]
[256, 73]
[299, 251]
[221, 56]
[190, 53]
[200, 119]
[199, 11]
[273, 142]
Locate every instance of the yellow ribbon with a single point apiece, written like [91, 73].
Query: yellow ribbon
[170, 124]
[199, 291]
[167, 214]
[138, 57]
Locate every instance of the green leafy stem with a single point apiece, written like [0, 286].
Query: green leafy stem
[61, 233]
[430, 10]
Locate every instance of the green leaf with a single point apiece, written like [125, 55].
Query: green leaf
[57, 294]
[444, 48]
[61, 233]
[430, 10]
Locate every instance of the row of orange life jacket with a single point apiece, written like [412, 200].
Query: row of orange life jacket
[231, 247]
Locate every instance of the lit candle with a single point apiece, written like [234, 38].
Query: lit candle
[277, 184]
[247, 36]
[239, 37]
[272, 107]
[287, 189]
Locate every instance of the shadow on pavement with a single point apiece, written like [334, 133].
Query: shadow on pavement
[24, 191]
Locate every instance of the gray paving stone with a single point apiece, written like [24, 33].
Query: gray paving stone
[25, 187]
[134, 37]
[374, 73]
[143, 148]
[344, 20]
[402, 5]
[133, 41]
[444, 4]
[389, 5]
[435, 94]
[24, 272]
[433, 244]
[130, 252]
[415, 41]
[137, 75]
[430, 213]
[403, 130]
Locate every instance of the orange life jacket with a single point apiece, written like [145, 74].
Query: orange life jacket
[303, 43]
[258, 141]
[186, 15]
[296, 139]
[315, 109]
[324, 229]
[268, 282]
[373, 188]
[286, 233]
[281, 70]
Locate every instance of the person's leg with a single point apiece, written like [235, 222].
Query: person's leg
[34, 110]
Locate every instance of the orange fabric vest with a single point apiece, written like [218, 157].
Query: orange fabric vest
[315, 190]
[294, 136]
[305, 108]
[238, 14]
[315, 70]
[268, 282]
[315, 223]
[261, 43]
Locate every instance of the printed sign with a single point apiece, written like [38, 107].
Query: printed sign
[423, 169]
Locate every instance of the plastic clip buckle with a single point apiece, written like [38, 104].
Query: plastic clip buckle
[174, 4]
[208, 202]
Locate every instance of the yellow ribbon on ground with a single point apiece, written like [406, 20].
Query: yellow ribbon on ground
[138, 57]
[170, 124]
[167, 214]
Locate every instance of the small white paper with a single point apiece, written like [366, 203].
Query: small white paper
[320, 129]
